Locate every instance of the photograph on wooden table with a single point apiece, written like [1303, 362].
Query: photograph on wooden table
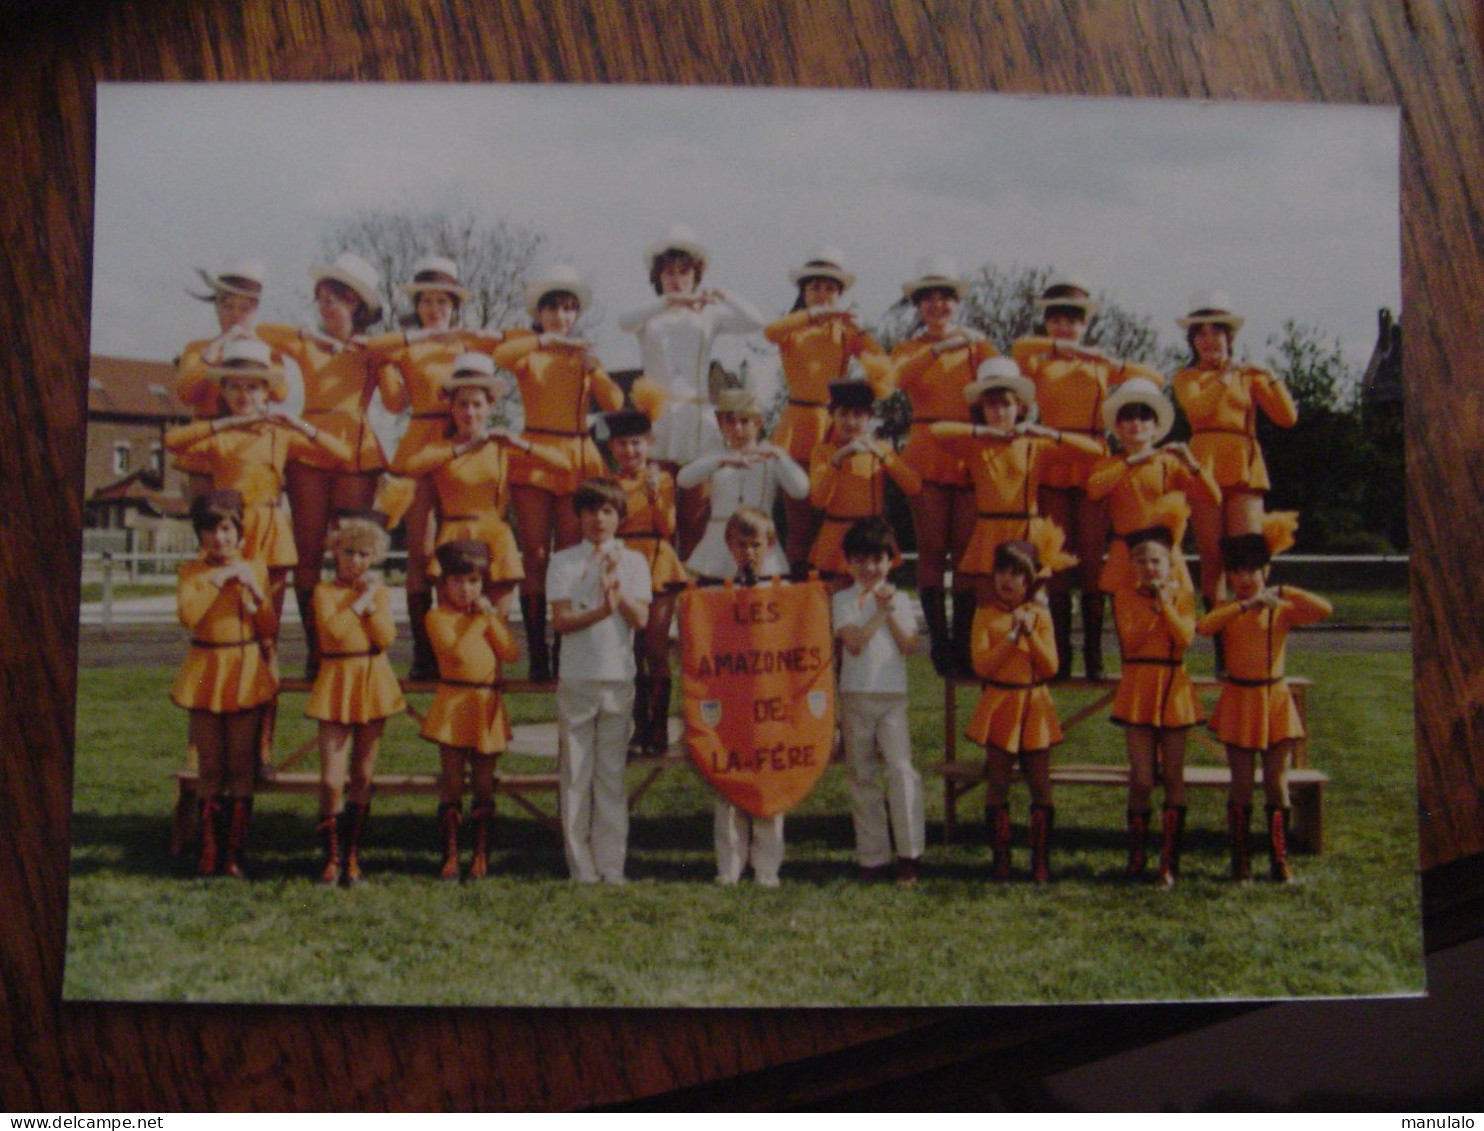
[637, 546]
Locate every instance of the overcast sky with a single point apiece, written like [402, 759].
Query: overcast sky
[1292, 209]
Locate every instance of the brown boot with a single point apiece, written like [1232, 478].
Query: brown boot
[533, 612]
[1092, 634]
[329, 833]
[267, 771]
[999, 841]
[208, 814]
[1172, 840]
[1238, 818]
[352, 827]
[311, 632]
[424, 663]
[963, 633]
[640, 738]
[1061, 630]
[935, 613]
[234, 863]
[1138, 836]
[1042, 818]
[658, 743]
[449, 815]
[1278, 842]
[481, 817]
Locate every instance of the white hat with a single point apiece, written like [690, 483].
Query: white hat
[558, 277]
[354, 272]
[826, 262]
[936, 271]
[1068, 281]
[680, 237]
[244, 277]
[742, 402]
[1140, 390]
[1211, 307]
[1001, 373]
[434, 273]
[474, 371]
[246, 357]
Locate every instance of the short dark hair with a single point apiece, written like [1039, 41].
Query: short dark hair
[208, 510]
[674, 255]
[364, 316]
[1016, 557]
[870, 538]
[1136, 410]
[594, 493]
[1195, 357]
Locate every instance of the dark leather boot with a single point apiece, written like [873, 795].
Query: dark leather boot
[1172, 840]
[1061, 629]
[935, 613]
[1092, 634]
[1238, 818]
[481, 816]
[1042, 819]
[1278, 843]
[533, 612]
[1138, 837]
[450, 814]
[311, 632]
[208, 814]
[999, 841]
[234, 863]
[424, 663]
[963, 633]
[352, 828]
[329, 835]
[659, 718]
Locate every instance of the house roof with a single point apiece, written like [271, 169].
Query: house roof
[137, 488]
[126, 387]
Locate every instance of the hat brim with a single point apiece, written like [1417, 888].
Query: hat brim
[1088, 306]
[659, 247]
[934, 283]
[1022, 387]
[221, 373]
[330, 273]
[220, 286]
[1233, 322]
[1164, 411]
[538, 291]
[798, 274]
[494, 384]
[412, 290]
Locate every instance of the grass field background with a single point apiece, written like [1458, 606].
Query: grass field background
[142, 928]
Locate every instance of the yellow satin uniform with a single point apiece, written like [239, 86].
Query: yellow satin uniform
[814, 353]
[1222, 410]
[935, 387]
[225, 670]
[468, 710]
[355, 683]
[846, 494]
[1015, 712]
[1154, 689]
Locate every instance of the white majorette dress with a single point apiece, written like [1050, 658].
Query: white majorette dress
[734, 487]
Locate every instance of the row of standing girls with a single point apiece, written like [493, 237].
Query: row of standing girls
[980, 475]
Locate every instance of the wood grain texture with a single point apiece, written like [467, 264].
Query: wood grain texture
[1421, 55]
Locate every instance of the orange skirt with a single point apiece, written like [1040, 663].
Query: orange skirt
[365, 448]
[528, 471]
[225, 679]
[665, 569]
[268, 536]
[1015, 719]
[828, 553]
[978, 559]
[1234, 459]
[1254, 718]
[470, 717]
[1066, 468]
[355, 689]
[1155, 695]
[494, 532]
[931, 460]
[800, 429]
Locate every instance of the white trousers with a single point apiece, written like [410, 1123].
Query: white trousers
[877, 745]
[742, 839]
[594, 719]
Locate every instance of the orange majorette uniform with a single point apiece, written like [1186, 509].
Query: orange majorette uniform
[1222, 410]
[1071, 383]
[1015, 712]
[194, 387]
[355, 683]
[649, 526]
[468, 710]
[846, 494]
[1154, 688]
[339, 382]
[935, 387]
[225, 670]
[251, 459]
[425, 367]
[1005, 472]
[1147, 494]
[813, 354]
[472, 497]
[1256, 709]
[555, 390]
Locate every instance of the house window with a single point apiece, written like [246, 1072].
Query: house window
[156, 460]
[121, 458]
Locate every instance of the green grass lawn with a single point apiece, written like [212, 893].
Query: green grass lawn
[142, 928]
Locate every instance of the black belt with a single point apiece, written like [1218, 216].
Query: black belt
[1229, 431]
[431, 416]
[1254, 682]
[648, 537]
[851, 517]
[1005, 514]
[466, 683]
[807, 404]
[936, 420]
[349, 655]
[1164, 663]
[462, 517]
[223, 643]
[1013, 686]
[556, 432]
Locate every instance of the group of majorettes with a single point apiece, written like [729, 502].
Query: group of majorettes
[1014, 495]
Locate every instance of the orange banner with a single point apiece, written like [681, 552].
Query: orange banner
[759, 679]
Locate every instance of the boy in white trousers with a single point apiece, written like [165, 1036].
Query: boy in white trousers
[874, 623]
[599, 594]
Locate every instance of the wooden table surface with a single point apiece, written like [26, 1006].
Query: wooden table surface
[1420, 54]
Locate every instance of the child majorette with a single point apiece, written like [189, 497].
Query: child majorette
[817, 341]
[356, 690]
[675, 338]
[877, 630]
[227, 677]
[426, 355]
[648, 527]
[932, 368]
[1014, 656]
[746, 473]
[1003, 452]
[341, 377]
[1256, 716]
[1072, 383]
[741, 839]
[1221, 400]
[468, 469]
[600, 595]
[848, 470]
[559, 378]
[467, 718]
[1155, 703]
[1146, 485]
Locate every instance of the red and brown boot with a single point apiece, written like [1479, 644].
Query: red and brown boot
[1278, 842]
[481, 816]
[449, 816]
[234, 863]
[999, 841]
[1238, 818]
[1172, 840]
[352, 826]
[209, 813]
[329, 834]
[1042, 818]
[1138, 839]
